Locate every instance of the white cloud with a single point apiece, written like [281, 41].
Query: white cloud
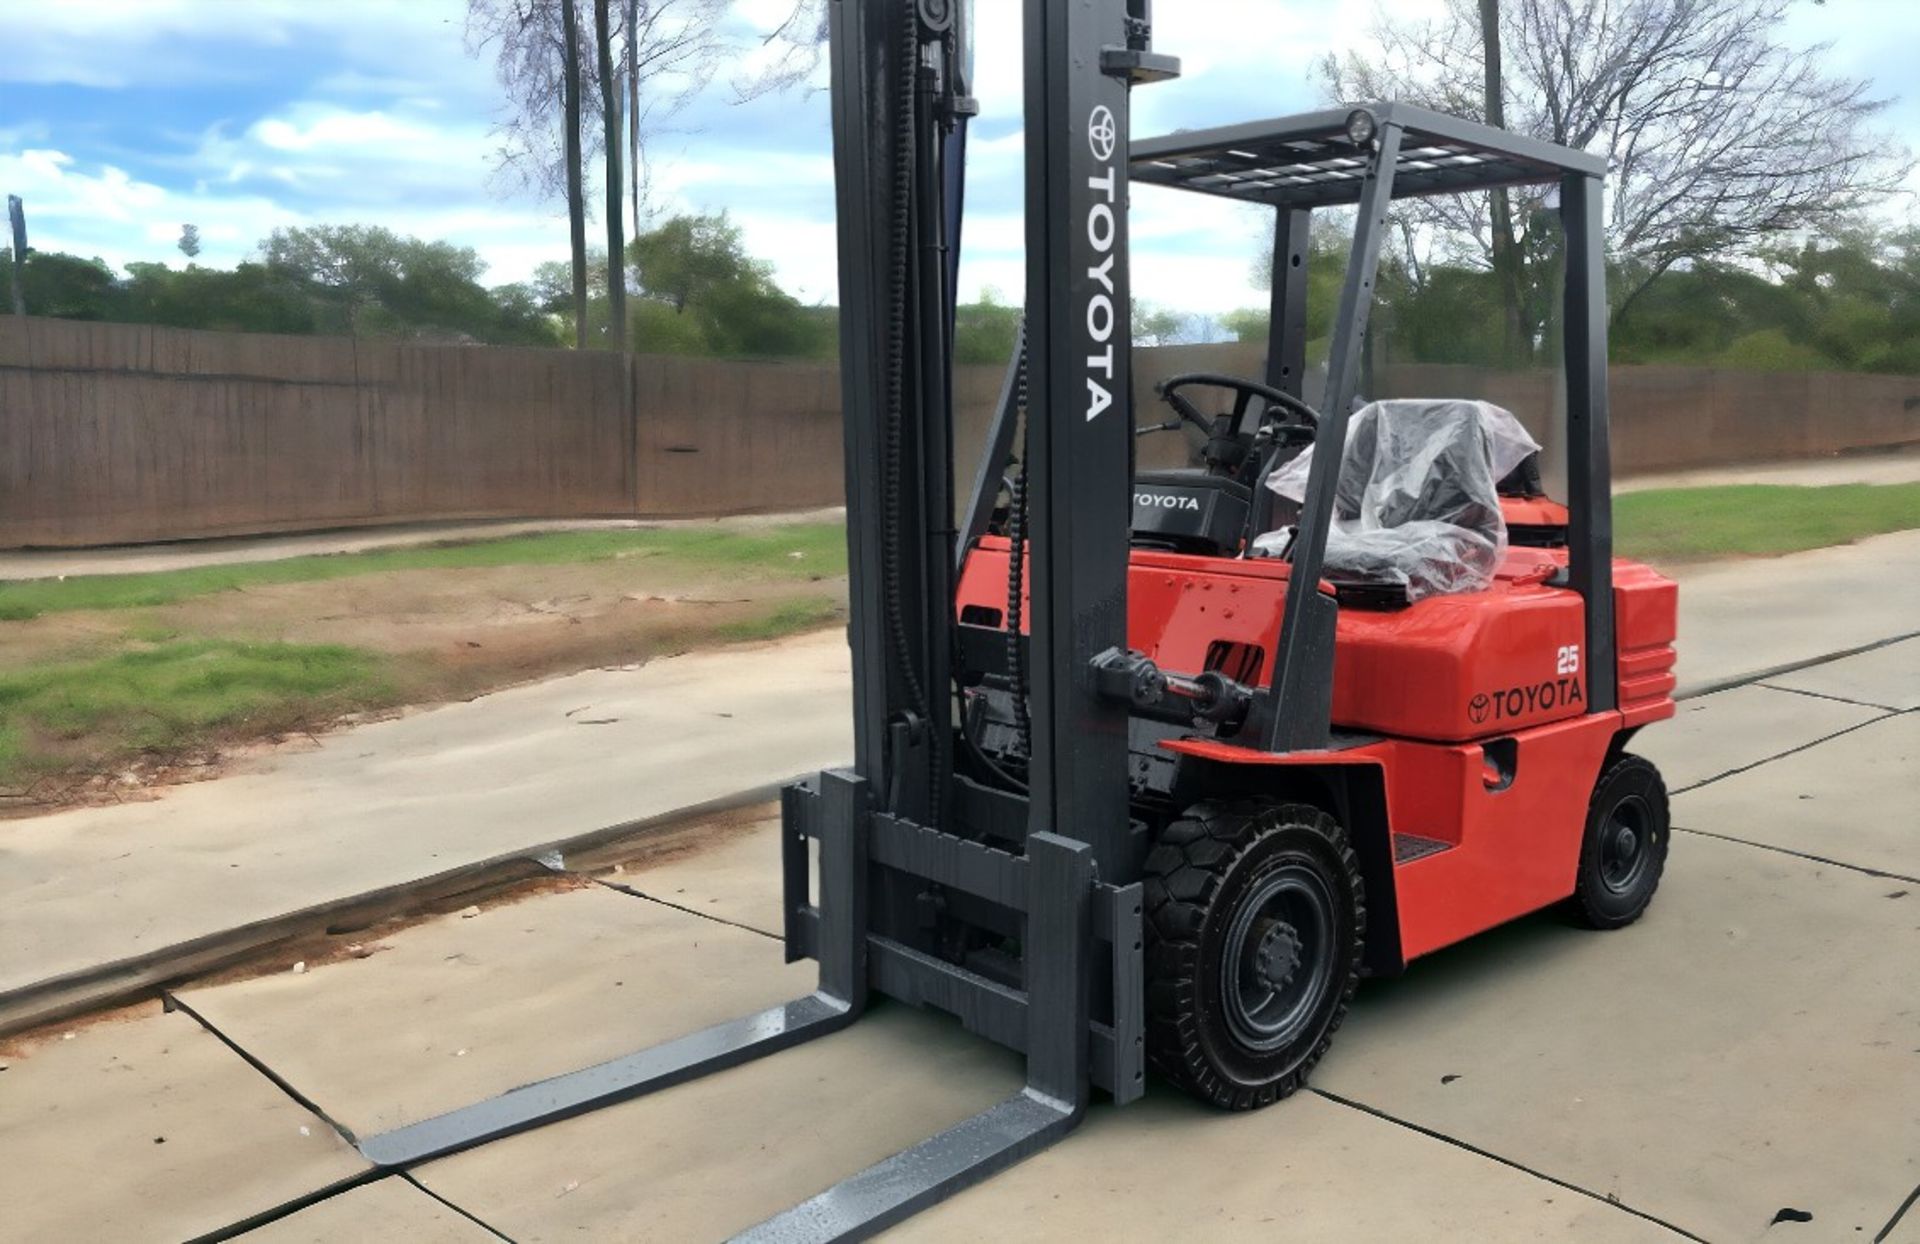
[119, 43]
[393, 123]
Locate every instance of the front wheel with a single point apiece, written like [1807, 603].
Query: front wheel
[1255, 922]
[1624, 850]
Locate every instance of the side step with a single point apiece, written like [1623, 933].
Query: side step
[1410, 847]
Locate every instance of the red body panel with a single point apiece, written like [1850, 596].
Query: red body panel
[1512, 850]
[1533, 512]
[1447, 668]
[1440, 677]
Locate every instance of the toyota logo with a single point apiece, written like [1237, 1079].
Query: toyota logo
[1478, 707]
[1101, 132]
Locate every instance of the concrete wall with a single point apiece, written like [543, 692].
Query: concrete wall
[116, 433]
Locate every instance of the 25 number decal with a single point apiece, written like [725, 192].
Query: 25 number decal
[1569, 660]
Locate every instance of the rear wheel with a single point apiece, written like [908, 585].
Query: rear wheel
[1625, 847]
[1255, 919]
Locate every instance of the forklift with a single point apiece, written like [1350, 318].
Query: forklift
[1150, 770]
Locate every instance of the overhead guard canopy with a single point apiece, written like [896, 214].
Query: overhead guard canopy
[1308, 161]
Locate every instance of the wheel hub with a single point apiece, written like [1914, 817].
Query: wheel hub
[1277, 956]
[1624, 846]
[1276, 961]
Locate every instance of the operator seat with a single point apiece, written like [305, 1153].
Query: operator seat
[1416, 510]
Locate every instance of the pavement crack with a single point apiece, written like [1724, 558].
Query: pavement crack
[287, 1209]
[1898, 1214]
[294, 1206]
[1792, 667]
[475, 1219]
[1804, 855]
[631, 892]
[174, 1003]
[1767, 760]
[1456, 1142]
[1822, 695]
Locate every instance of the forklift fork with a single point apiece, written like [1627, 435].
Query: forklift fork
[1053, 883]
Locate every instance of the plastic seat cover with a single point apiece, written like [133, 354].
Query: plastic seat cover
[1416, 504]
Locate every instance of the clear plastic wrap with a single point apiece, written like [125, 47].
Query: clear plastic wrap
[1416, 503]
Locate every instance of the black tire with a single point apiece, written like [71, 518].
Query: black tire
[1226, 885]
[1624, 848]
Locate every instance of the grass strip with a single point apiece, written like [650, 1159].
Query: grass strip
[1757, 520]
[788, 551]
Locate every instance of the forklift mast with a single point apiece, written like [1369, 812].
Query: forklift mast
[900, 110]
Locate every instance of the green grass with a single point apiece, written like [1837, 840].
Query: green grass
[1757, 520]
[787, 618]
[762, 552]
[173, 696]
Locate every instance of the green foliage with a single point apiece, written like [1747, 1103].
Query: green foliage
[356, 279]
[1155, 325]
[699, 292]
[1453, 316]
[378, 283]
[65, 286]
[781, 551]
[984, 331]
[1846, 303]
[686, 259]
[251, 298]
[1757, 520]
[171, 696]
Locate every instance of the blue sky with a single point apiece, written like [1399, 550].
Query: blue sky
[122, 119]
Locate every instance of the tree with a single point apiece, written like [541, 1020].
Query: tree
[983, 331]
[670, 48]
[368, 280]
[666, 50]
[686, 257]
[1155, 325]
[610, 127]
[701, 293]
[1503, 248]
[576, 195]
[65, 286]
[1719, 137]
[189, 241]
[794, 48]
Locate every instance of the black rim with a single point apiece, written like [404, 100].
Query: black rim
[1278, 957]
[1626, 844]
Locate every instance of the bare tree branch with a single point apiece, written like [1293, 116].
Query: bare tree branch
[1719, 137]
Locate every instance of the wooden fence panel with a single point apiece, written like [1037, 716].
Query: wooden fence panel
[122, 432]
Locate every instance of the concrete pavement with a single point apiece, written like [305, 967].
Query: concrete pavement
[1743, 1064]
[1740, 618]
[1900, 466]
[91, 896]
[402, 800]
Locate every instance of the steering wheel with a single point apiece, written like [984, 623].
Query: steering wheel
[1304, 417]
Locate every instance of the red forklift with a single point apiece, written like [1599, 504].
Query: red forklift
[1152, 767]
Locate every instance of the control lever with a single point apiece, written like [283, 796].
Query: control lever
[1124, 674]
